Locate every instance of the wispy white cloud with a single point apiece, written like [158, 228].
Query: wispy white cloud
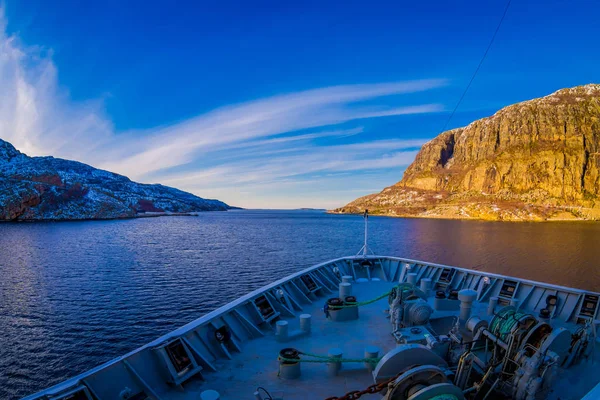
[255, 147]
[36, 115]
[181, 143]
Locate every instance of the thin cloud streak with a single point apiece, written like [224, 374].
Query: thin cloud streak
[296, 138]
[333, 159]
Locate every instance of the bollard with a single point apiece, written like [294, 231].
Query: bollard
[305, 322]
[345, 290]
[466, 297]
[210, 395]
[371, 352]
[492, 305]
[411, 278]
[289, 369]
[281, 330]
[426, 286]
[334, 367]
[438, 301]
[347, 279]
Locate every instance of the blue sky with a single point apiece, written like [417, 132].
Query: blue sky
[273, 104]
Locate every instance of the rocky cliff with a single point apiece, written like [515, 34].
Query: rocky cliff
[535, 160]
[48, 188]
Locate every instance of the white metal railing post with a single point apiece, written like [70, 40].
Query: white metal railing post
[366, 216]
[365, 249]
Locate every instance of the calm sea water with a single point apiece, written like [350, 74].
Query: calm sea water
[74, 295]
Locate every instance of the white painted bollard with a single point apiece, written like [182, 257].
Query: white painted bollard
[305, 322]
[281, 330]
[289, 368]
[347, 279]
[411, 278]
[210, 395]
[466, 297]
[492, 305]
[334, 367]
[426, 286]
[345, 289]
[371, 352]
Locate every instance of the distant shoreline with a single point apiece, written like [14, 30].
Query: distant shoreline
[459, 218]
[151, 214]
[138, 216]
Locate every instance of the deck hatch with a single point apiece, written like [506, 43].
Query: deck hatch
[445, 280]
[178, 360]
[264, 307]
[178, 355]
[508, 289]
[507, 292]
[310, 283]
[589, 305]
[447, 275]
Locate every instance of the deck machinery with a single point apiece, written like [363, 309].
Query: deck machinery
[505, 352]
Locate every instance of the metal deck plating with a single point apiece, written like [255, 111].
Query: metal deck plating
[197, 357]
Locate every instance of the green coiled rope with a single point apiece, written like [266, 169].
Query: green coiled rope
[504, 322]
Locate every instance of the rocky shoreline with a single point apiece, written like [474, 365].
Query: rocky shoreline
[538, 160]
[53, 189]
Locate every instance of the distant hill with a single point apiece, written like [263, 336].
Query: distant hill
[535, 160]
[48, 188]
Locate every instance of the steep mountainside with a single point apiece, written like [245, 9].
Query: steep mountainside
[535, 160]
[48, 188]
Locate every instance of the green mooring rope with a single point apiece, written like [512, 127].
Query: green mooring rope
[327, 360]
[404, 286]
[359, 303]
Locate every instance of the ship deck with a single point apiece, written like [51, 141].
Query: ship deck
[257, 365]
[249, 359]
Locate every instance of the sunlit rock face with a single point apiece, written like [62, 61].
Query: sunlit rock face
[535, 160]
[48, 188]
